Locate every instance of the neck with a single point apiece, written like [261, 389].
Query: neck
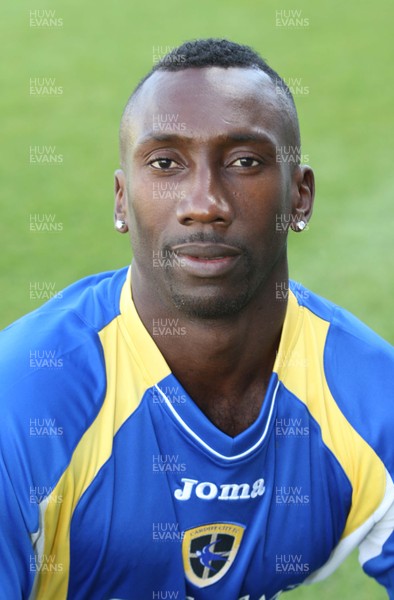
[219, 361]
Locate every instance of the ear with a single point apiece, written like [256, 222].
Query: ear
[120, 214]
[303, 197]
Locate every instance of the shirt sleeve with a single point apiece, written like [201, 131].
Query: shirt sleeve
[376, 552]
[17, 564]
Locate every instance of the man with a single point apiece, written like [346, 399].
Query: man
[210, 432]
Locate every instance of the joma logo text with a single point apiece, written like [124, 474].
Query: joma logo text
[206, 490]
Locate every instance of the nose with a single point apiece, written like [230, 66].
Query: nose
[205, 200]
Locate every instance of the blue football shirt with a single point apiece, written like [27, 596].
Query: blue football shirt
[114, 485]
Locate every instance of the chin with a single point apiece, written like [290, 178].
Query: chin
[198, 307]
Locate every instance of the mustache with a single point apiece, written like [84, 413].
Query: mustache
[204, 238]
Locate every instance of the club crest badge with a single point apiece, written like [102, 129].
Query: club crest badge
[209, 551]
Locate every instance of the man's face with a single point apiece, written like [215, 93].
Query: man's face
[204, 190]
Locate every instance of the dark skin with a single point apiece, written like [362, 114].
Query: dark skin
[218, 226]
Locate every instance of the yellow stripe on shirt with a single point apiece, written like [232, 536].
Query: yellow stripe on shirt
[129, 374]
[300, 367]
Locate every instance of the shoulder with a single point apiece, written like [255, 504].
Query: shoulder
[60, 331]
[54, 353]
[76, 314]
[359, 370]
[53, 377]
[349, 341]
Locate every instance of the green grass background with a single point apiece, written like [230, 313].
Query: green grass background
[344, 57]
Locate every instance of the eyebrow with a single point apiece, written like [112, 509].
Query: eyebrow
[238, 137]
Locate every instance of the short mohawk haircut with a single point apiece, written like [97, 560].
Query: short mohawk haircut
[216, 52]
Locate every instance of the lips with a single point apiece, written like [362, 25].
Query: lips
[206, 251]
[207, 261]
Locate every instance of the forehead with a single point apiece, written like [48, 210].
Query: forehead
[206, 103]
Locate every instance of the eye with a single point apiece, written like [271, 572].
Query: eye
[245, 161]
[163, 164]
